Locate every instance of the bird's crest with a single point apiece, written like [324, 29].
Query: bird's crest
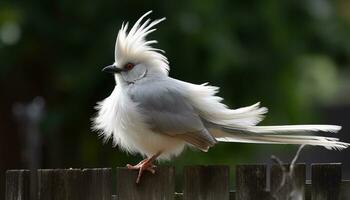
[132, 44]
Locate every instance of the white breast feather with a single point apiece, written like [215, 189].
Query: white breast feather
[118, 118]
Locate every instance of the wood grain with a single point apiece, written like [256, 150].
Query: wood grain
[17, 185]
[326, 180]
[60, 184]
[206, 183]
[160, 185]
[98, 184]
[251, 182]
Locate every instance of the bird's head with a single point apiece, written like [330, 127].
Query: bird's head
[135, 58]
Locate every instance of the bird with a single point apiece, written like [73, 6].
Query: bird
[151, 114]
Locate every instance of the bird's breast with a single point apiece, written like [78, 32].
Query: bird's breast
[130, 130]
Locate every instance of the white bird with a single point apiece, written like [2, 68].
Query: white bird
[157, 116]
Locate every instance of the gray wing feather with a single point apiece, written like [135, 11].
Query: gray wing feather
[168, 112]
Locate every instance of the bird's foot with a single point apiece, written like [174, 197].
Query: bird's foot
[144, 165]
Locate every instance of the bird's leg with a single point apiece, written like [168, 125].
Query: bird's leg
[144, 165]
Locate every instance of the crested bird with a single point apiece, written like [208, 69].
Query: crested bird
[157, 116]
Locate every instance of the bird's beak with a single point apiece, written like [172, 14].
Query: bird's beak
[112, 69]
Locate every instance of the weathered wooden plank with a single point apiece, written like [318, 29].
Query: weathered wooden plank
[17, 185]
[206, 183]
[160, 185]
[114, 197]
[60, 184]
[98, 184]
[293, 185]
[345, 190]
[326, 179]
[251, 182]
[232, 195]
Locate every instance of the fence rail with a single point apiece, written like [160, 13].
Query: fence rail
[199, 183]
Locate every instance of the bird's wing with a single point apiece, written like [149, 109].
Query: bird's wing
[167, 111]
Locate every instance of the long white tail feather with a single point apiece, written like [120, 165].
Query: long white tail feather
[272, 139]
[239, 125]
[269, 134]
[295, 128]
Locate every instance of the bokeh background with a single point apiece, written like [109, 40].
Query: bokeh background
[293, 56]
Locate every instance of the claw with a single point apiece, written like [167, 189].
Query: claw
[144, 165]
[153, 171]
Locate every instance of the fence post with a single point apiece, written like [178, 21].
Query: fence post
[345, 190]
[308, 190]
[292, 187]
[251, 182]
[206, 183]
[60, 184]
[17, 185]
[326, 180]
[160, 185]
[98, 184]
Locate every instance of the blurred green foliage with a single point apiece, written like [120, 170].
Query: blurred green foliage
[290, 55]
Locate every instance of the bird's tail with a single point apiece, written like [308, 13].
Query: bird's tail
[294, 134]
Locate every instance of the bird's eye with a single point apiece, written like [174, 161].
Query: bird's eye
[129, 66]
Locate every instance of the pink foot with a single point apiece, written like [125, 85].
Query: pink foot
[144, 165]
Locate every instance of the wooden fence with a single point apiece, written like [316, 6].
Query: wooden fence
[199, 183]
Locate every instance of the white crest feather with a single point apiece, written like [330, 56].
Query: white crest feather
[133, 45]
